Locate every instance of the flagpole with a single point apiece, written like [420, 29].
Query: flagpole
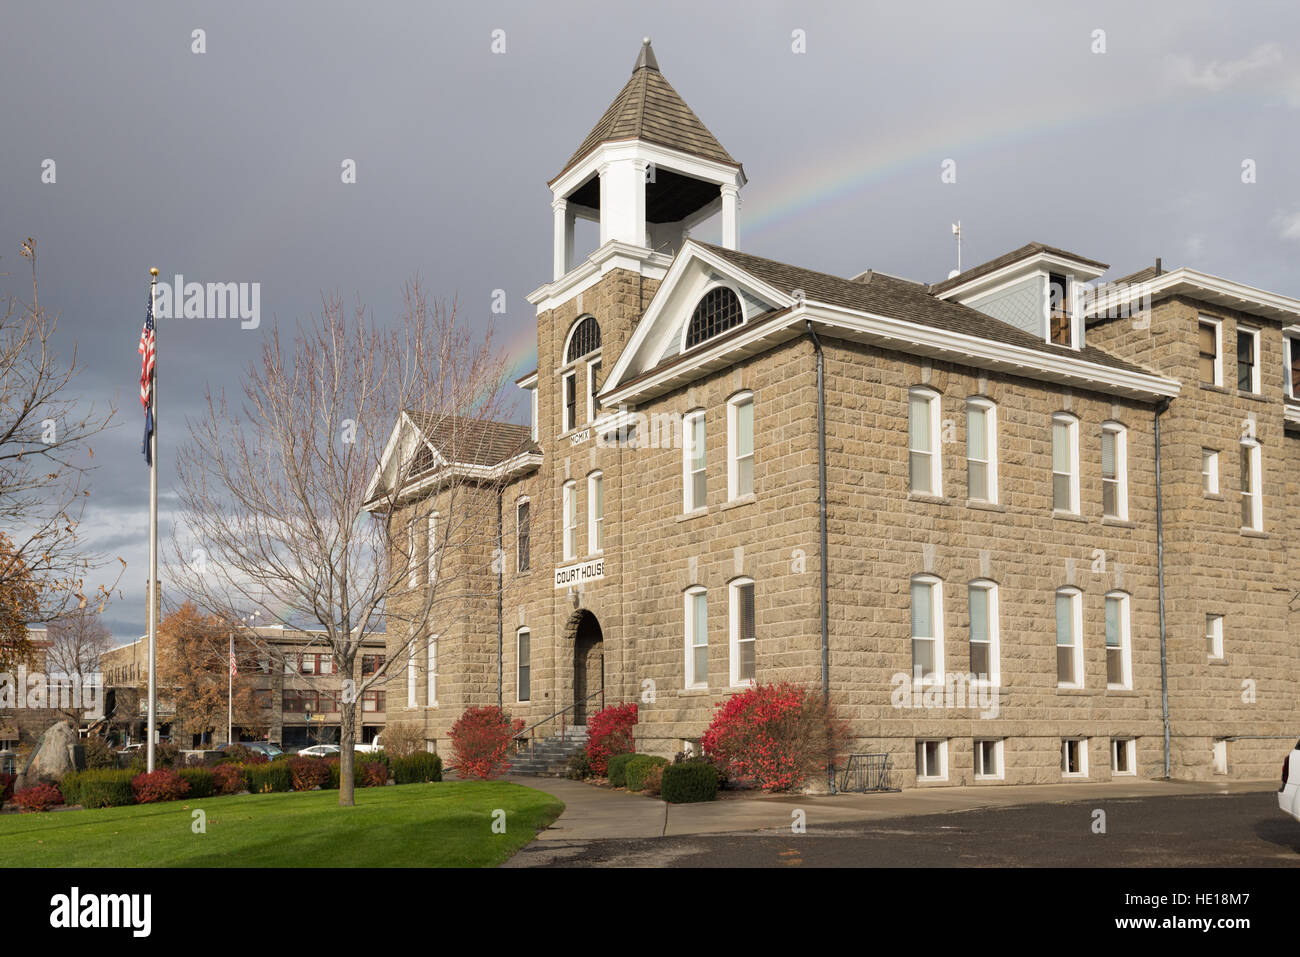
[153, 535]
[230, 692]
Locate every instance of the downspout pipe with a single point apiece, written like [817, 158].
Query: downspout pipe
[821, 510]
[821, 516]
[1161, 408]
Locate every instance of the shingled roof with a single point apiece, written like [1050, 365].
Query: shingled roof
[903, 299]
[1006, 259]
[468, 441]
[648, 108]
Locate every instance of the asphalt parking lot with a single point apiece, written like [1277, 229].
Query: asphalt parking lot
[1207, 830]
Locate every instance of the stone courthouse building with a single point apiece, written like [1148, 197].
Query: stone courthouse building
[1021, 527]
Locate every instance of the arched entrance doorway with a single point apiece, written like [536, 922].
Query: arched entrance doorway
[588, 665]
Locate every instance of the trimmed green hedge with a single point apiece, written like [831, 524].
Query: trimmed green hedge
[201, 781]
[102, 787]
[272, 776]
[688, 782]
[635, 771]
[616, 769]
[417, 768]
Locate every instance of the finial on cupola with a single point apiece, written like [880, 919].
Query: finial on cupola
[646, 58]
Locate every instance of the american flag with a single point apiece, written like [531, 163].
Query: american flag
[146, 351]
[234, 668]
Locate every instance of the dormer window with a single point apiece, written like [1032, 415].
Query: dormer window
[1060, 313]
[718, 311]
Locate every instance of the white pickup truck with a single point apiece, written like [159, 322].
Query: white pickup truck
[370, 748]
[1288, 795]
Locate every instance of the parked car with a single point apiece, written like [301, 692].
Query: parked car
[271, 751]
[319, 751]
[370, 748]
[1288, 795]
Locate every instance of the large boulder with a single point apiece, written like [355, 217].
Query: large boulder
[52, 758]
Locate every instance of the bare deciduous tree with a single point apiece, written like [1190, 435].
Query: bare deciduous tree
[77, 640]
[298, 503]
[45, 456]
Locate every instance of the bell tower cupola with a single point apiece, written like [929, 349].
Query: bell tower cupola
[647, 173]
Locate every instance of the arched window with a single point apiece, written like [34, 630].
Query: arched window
[718, 311]
[584, 339]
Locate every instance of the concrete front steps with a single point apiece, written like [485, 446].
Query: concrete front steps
[549, 757]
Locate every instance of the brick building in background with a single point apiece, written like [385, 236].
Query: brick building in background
[743, 470]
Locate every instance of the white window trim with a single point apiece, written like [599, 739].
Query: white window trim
[1218, 346]
[1255, 371]
[1210, 477]
[1286, 364]
[431, 676]
[520, 503]
[936, 616]
[519, 634]
[1129, 746]
[431, 547]
[566, 425]
[1121, 469]
[1125, 641]
[1076, 320]
[1257, 496]
[411, 682]
[688, 442]
[569, 514]
[1076, 609]
[689, 618]
[412, 555]
[733, 444]
[733, 604]
[1083, 758]
[1072, 440]
[595, 523]
[998, 751]
[1214, 629]
[990, 411]
[533, 403]
[591, 395]
[943, 760]
[934, 407]
[990, 587]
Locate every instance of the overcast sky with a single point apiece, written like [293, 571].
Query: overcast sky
[226, 165]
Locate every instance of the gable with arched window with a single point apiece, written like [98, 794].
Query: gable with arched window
[718, 310]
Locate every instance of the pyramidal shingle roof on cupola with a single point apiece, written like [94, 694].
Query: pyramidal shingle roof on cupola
[649, 109]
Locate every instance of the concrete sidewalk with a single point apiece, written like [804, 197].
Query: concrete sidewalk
[592, 813]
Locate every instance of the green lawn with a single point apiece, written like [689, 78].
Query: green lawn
[411, 825]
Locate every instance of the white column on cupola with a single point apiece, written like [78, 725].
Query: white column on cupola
[622, 201]
[730, 215]
[563, 237]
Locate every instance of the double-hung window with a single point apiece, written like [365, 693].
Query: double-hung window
[570, 515]
[1214, 636]
[1210, 471]
[524, 667]
[981, 451]
[742, 632]
[693, 462]
[431, 652]
[431, 547]
[595, 512]
[1119, 665]
[1069, 638]
[1247, 359]
[523, 536]
[924, 466]
[1252, 507]
[1065, 463]
[1210, 344]
[927, 629]
[1114, 471]
[740, 446]
[570, 402]
[983, 599]
[697, 638]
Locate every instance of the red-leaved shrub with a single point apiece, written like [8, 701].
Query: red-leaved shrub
[609, 732]
[480, 741]
[308, 773]
[161, 785]
[6, 787]
[228, 779]
[38, 797]
[368, 774]
[774, 736]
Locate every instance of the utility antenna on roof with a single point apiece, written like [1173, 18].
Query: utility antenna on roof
[956, 231]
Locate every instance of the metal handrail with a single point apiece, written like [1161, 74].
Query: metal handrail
[559, 714]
